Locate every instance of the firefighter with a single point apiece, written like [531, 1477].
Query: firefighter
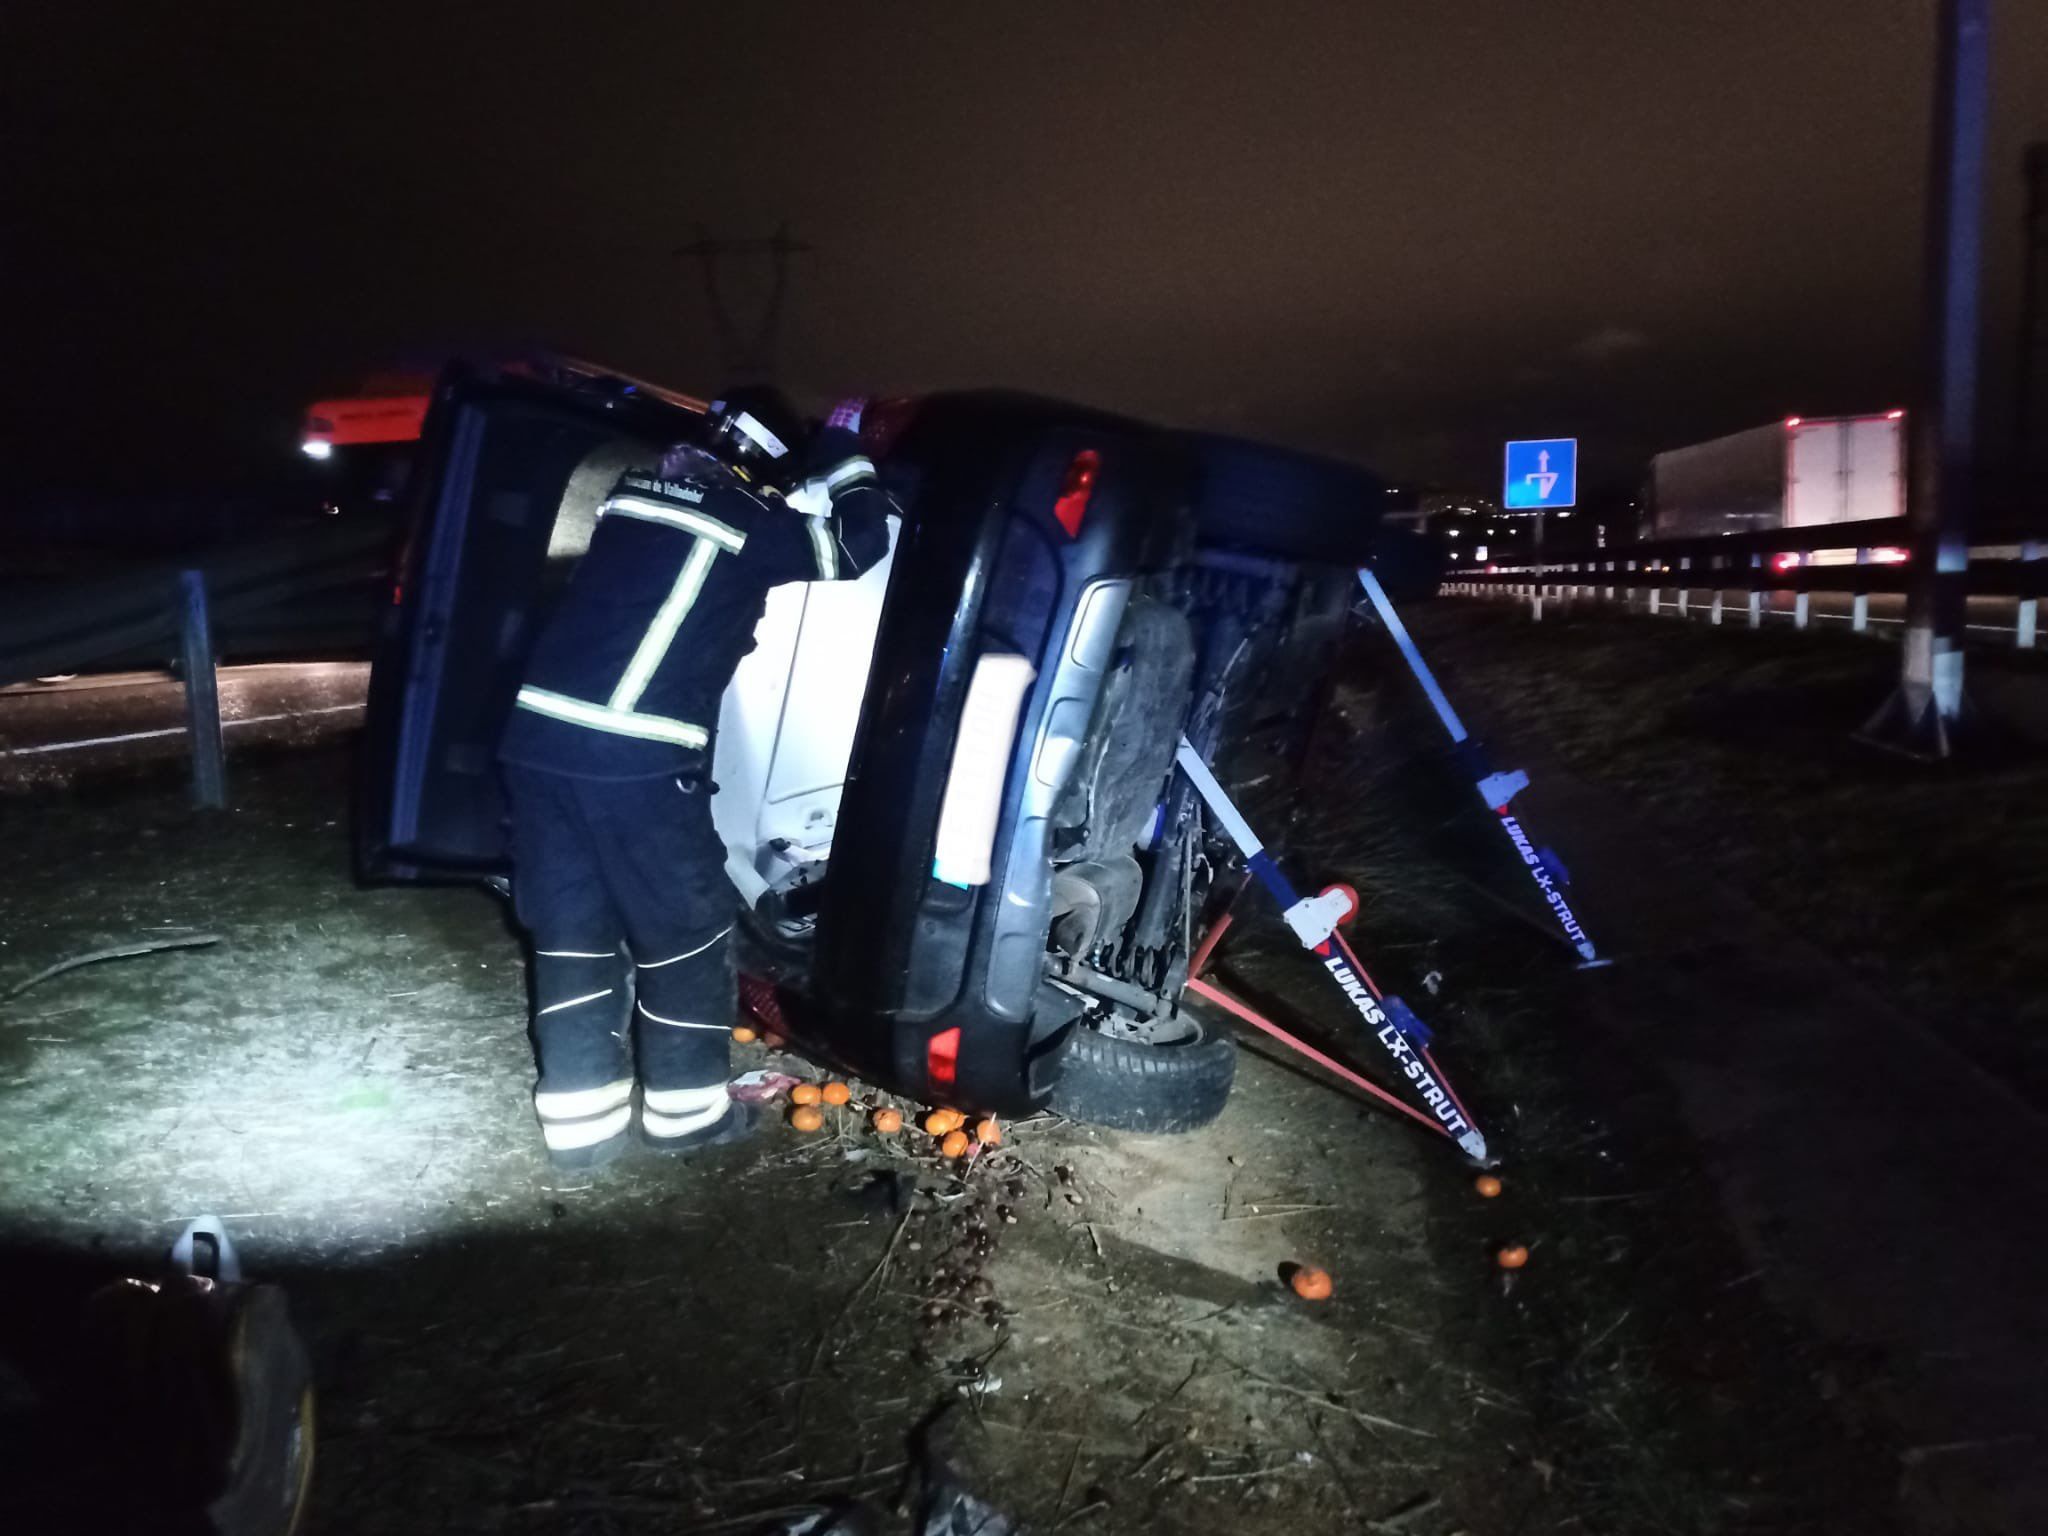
[618, 876]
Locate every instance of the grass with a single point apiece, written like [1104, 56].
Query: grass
[1928, 881]
[1634, 1373]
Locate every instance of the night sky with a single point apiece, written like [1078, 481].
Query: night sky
[1397, 232]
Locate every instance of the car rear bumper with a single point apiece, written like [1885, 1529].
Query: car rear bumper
[935, 984]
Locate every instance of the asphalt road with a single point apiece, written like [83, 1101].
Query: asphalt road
[95, 723]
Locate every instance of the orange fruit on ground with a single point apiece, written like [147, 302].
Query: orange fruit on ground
[1311, 1284]
[988, 1133]
[804, 1093]
[888, 1121]
[806, 1118]
[837, 1093]
[744, 1035]
[940, 1121]
[955, 1144]
[1512, 1258]
[1487, 1185]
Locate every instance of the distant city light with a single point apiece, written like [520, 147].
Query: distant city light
[317, 448]
[1893, 415]
[1454, 533]
[1793, 421]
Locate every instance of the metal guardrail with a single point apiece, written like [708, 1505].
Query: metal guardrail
[318, 590]
[1801, 561]
[319, 582]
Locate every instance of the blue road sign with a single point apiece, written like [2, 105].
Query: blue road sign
[1543, 472]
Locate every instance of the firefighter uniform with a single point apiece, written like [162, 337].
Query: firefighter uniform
[618, 875]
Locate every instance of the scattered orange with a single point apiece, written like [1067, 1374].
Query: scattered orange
[837, 1093]
[804, 1093]
[940, 1121]
[1512, 1258]
[988, 1133]
[888, 1121]
[1487, 1185]
[1310, 1283]
[955, 1144]
[744, 1035]
[806, 1118]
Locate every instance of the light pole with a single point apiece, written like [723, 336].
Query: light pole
[1922, 715]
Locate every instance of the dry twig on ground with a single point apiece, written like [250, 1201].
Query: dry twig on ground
[112, 952]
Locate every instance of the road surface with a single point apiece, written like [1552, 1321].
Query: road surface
[58, 731]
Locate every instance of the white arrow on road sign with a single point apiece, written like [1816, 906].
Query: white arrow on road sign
[1540, 473]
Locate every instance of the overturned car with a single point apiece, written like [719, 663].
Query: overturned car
[946, 789]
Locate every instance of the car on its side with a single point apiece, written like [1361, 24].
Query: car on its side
[947, 788]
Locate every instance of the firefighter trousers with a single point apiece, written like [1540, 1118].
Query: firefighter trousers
[621, 888]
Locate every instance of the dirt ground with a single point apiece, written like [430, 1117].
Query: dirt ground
[343, 1078]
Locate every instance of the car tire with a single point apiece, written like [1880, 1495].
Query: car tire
[1159, 1089]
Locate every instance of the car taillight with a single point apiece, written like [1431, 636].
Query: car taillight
[1785, 560]
[1079, 485]
[942, 1058]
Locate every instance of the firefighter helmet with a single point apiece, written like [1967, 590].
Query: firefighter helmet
[755, 429]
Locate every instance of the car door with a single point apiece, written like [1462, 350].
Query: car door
[511, 472]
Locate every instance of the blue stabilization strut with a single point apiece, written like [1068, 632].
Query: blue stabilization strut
[1495, 788]
[1314, 920]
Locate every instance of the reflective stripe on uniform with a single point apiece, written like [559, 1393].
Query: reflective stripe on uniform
[576, 954]
[576, 1002]
[683, 1101]
[824, 549]
[647, 511]
[648, 1013]
[656, 1124]
[661, 634]
[579, 1103]
[655, 965]
[571, 1135]
[844, 474]
[619, 722]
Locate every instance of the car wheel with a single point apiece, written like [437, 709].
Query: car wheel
[1132, 1084]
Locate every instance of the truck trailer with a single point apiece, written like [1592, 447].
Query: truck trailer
[1801, 472]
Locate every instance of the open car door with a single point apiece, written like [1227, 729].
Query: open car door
[512, 471]
[505, 496]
